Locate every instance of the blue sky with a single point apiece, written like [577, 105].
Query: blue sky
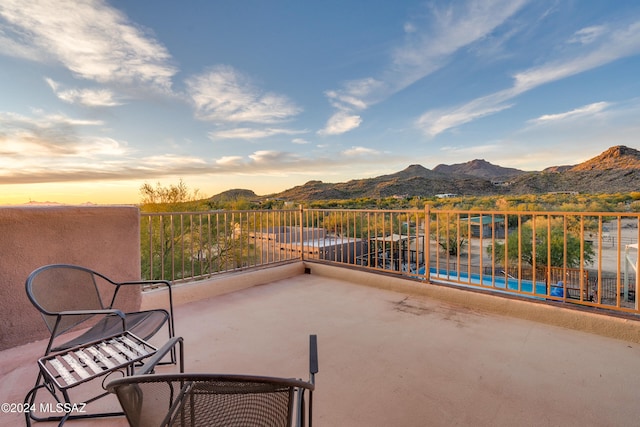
[99, 97]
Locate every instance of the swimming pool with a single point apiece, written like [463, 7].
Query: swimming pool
[499, 283]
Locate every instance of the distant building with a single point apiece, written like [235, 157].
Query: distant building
[315, 241]
[486, 226]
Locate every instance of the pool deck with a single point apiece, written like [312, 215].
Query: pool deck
[400, 358]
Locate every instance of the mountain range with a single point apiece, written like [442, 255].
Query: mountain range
[616, 170]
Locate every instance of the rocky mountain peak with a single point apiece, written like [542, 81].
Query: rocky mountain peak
[479, 168]
[618, 157]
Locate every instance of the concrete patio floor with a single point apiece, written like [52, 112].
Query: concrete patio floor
[390, 358]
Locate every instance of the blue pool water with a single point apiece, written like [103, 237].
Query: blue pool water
[495, 282]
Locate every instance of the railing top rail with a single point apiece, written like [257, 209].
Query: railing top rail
[412, 210]
[419, 210]
[217, 211]
[538, 213]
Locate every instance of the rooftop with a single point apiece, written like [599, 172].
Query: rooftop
[397, 352]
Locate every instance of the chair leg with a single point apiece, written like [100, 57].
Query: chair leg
[30, 403]
[174, 358]
[33, 406]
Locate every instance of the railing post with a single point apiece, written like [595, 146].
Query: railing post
[427, 243]
[302, 243]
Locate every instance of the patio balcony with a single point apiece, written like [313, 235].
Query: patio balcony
[395, 349]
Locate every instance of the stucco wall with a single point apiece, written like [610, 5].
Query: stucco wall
[103, 238]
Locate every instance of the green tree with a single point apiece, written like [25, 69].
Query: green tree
[171, 198]
[562, 246]
[450, 232]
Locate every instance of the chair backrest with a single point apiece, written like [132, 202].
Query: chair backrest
[61, 287]
[208, 399]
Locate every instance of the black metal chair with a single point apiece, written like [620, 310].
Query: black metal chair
[217, 399]
[70, 297]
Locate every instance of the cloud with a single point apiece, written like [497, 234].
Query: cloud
[587, 110]
[409, 27]
[52, 136]
[340, 123]
[272, 157]
[430, 42]
[434, 122]
[351, 97]
[446, 30]
[43, 171]
[55, 148]
[230, 161]
[251, 133]
[90, 38]
[224, 95]
[616, 44]
[11, 47]
[300, 141]
[359, 151]
[86, 97]
[48, 148]
[587, 35]
[169, 160]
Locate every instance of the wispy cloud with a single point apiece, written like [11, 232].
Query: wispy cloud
[52, 136]
[587, 35]
[230, 161]
[225, 95]
[171, 161]
[587, 110]
[354, 93]
[615, 43]
[55, 148]
[359, 151]
[437, 121]
[273, 157]
[48, 148]
[86, 97]
[9, 46]
[428, 46]
[252, 133]
[340, 123]
[90, 38]
[446, 30]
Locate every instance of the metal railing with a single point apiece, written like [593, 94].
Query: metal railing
[586, 258]
[183, 246]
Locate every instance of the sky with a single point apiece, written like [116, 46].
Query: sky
[99, 97]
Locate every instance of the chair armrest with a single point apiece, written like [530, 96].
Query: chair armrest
[151, 363]
[145, 282]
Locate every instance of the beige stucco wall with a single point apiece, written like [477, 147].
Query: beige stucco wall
[103, 238]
